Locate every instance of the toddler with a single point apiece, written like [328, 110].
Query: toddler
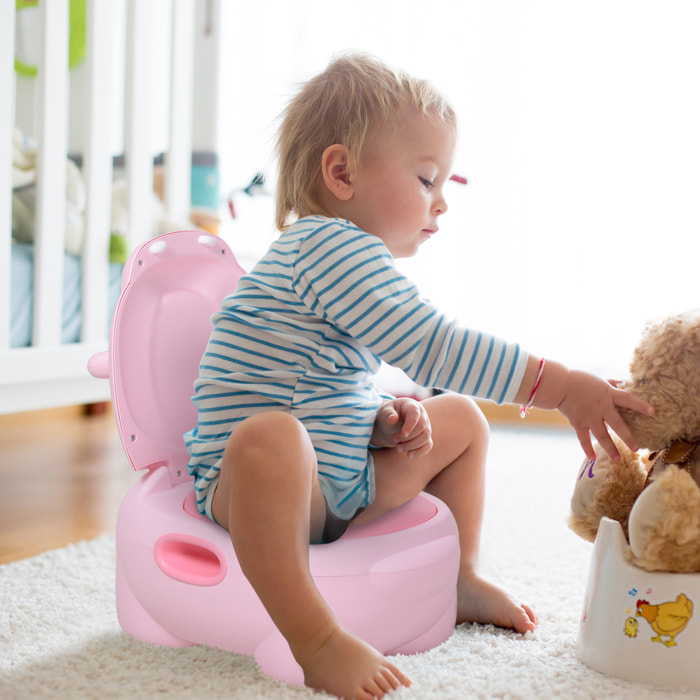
[294, 442]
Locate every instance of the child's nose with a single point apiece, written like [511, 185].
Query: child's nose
[439, 205]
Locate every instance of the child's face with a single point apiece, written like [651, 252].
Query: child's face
[398, 183]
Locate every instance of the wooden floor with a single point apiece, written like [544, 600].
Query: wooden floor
[62, 478]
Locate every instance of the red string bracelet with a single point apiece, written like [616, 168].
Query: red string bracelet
[524, 408]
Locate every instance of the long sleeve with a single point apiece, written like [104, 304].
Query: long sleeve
[348, 277]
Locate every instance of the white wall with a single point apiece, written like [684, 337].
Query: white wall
[579, 135]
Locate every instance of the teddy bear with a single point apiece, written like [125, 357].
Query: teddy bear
[654, 493]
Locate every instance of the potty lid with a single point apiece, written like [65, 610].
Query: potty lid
[171, 285]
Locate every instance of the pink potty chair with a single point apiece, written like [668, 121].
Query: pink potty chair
[392, 582]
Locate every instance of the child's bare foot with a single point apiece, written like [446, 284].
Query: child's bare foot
[482, 602]
[349, 668]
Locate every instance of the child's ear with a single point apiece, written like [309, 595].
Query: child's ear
[336, 168]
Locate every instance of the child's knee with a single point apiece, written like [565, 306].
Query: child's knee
[463, 412]
[271, 436]
[477, 418]
[267, 454]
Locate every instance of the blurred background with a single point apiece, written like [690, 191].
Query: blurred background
[579, 135]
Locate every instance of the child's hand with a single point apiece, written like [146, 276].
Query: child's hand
[591, 405]
[403, 423]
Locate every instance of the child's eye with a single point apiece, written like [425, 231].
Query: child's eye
[426, 183]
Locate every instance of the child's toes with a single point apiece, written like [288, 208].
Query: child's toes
[400, 677]
[525, 619]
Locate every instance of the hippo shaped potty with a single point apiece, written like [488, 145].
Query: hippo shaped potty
[391, 582]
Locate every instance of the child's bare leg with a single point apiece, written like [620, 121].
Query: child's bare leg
[269, 500]
[461, 485]
[454, 471]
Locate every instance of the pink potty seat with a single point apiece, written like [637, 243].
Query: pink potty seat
[392, 582]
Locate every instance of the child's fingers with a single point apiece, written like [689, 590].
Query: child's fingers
[618, 424]
[412, 414]
[603, 437]
[389, 414]
[410, 425]
[417, 447]
[591, 411]
[584, 438]
[415, 421]
[624, 399]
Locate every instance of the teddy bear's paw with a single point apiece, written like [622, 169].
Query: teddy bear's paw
[664, 524]
[583, 518]
[606, 488]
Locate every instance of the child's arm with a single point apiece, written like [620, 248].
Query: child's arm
[403, 423]
[589, 403]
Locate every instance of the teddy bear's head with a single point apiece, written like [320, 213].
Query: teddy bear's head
[665, 372]
[655, 496]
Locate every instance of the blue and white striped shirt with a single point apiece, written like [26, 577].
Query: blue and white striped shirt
[305, 331]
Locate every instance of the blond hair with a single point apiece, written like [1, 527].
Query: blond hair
[339, 106]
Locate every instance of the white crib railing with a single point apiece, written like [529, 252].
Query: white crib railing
[7, 50]
[50, 373]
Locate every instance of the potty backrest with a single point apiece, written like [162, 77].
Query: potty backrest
[171, 285]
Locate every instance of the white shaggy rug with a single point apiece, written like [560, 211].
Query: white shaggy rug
[59, 635]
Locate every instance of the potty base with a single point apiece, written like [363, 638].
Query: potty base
[638, 625]
[391, 582]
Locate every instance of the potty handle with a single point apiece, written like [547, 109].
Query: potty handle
[98, 365]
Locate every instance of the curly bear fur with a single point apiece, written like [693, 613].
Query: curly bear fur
[659, 511]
